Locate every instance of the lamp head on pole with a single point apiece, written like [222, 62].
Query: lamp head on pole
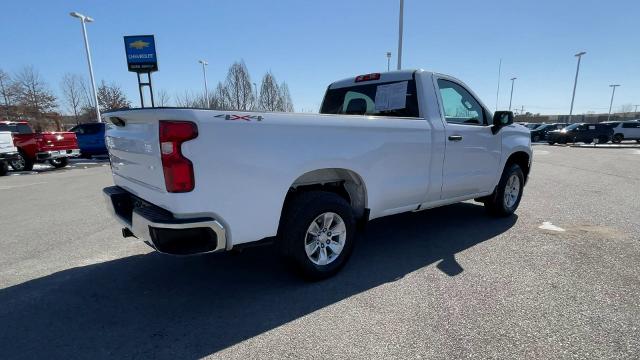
[82, 17]
[614, 85]
[580, 53]
[513, 78]
[203, 62]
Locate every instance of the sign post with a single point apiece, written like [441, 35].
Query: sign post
[142, 59]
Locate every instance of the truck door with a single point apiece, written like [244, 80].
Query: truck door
[472, 151]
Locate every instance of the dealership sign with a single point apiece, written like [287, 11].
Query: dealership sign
[141, 53]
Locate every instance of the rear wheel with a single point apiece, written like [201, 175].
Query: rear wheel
[536, 138]
[4, 168]
[617, 138]
[317, 233]
[551, 142]
[587, 141]
[603, 139]
[506, 198]
[21, 163]
[59, 162]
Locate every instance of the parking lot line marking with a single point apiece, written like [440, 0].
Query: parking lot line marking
[9, 187]
[547, 225]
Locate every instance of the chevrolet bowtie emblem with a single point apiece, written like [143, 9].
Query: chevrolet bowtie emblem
[139, 44]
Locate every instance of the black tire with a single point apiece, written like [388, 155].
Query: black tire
[603, 139]
[59, 162]
[536, 138]
[495, 203]
[22, 162]
[300, 212]
[551, 142]
[617, 138]
[589, 141]
[4, 168]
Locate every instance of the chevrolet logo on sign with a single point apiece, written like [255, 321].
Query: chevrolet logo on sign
[139, 44]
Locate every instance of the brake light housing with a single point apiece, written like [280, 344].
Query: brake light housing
[178, 170]
[368, 77]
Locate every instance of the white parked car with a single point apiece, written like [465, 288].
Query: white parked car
[8, 151]
[191, 181]
[625, 130]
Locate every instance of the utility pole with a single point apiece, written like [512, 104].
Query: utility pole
[388, 61]
[575, 83]
[400, 26]
[613, 92]
[513, 80]
[85, 19]
[204, 74]
[636, 110]
[498, 91]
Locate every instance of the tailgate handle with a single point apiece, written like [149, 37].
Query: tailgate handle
[455, 138]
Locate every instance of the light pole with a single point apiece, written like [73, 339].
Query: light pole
[85, 19]
[255, 90]
[636, 110]
[498, 91]
[204, 74]
[575, 83]
[513, 80]
[400, 26]
[613, 92]
[388, 61]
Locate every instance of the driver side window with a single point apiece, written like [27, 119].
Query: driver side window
[459, 106]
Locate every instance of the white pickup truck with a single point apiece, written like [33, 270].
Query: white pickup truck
[190, 181]
[8, 152]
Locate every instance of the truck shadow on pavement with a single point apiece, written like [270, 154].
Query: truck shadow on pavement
[155, 306]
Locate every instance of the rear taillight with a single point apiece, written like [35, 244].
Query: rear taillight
[178, 170]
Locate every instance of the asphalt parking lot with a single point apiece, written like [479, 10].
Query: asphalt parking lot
[442, 283]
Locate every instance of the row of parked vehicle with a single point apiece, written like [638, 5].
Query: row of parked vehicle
[604, 132]
[21, 147]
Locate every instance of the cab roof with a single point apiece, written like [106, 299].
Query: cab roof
[384, 77]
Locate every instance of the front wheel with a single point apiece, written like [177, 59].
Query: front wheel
[536, 138]
[506, 198]
[59, 162]
[317, 233]
[603, 140]
[617, 138]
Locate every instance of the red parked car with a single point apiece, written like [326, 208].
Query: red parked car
[54, 147]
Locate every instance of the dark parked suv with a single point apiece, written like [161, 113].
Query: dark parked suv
[540, 133]
[585, 133]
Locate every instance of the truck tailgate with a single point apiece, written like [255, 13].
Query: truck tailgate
[134, 149]
[58, 141]
[6, 142]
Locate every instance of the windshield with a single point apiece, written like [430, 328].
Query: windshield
[396, 99]
[532, 126]
[571, 127]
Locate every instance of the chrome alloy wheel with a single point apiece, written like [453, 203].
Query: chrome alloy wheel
[511, 191]
[19, 163]
[325, 238]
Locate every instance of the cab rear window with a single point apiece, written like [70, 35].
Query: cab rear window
[16, 128]
[394, 99]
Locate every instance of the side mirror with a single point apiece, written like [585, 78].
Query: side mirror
[501, 119]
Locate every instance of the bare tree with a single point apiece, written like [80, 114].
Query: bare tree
[285, 96]
[625, 108]
[7, 92]
[33, 94]
[111, 97]
[187, 100]
[221, 97]
[163, 98]
[239, 94]
[72, 90]
[270, 99]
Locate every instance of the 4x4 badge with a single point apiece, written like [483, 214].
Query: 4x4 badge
[240, 117]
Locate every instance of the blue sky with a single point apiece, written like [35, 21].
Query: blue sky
[308, 44]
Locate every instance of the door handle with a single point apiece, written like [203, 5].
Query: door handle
[455, 138]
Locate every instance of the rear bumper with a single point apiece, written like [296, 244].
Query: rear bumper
[9, 156]
[56, 154]
[161, 229]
